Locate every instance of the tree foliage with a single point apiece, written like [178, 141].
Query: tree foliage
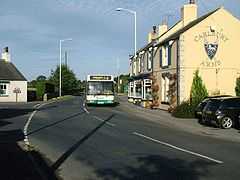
[198, 90]
[198, 93]
[41, 78]
[69, 80]
[237, 88]
[40, 87]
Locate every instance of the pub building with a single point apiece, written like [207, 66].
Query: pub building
[161, 73]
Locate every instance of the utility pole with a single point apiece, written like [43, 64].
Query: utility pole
[66, 58]
[118, 75]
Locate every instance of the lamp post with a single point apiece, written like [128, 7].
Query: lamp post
[135, 26]
[60, 64]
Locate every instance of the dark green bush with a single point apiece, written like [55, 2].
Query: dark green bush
[237, 88]
[40, 86]
[184, 110]
[198, 89]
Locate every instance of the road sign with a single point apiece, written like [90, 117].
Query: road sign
[17, 91]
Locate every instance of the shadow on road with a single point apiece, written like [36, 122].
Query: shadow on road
[104, 105]
[65, 155]
[16, 162]
[156, 167]
[57, 122]
[13, 112]
[47, 108]
[4, 123]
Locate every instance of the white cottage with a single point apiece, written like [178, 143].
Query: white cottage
[13, 85]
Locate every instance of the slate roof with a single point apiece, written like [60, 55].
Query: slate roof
[190, 25]
[180, 31]
[9, 72]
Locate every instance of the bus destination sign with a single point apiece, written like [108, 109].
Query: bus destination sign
[100, 78]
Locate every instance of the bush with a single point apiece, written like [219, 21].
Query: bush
[40, 86]
[198, 90]
[184, 110]
[237, 88]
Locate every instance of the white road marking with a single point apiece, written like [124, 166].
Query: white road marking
[178, 148]
[100, 119]
[25, 131]
[36, 105]
[95, 117]
[85, 109]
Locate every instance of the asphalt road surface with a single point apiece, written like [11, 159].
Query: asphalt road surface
[114, 143]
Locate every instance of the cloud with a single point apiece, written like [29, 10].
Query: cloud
[33, 28]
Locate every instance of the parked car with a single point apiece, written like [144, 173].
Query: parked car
[225, 112]
[201, 105]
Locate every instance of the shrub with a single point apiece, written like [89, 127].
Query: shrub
[237, 88]
[184, 110]
[198, 90]
[40, 86]
[197, 94]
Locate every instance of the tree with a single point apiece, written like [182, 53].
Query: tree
[237, 88]
[41, 78]
[198, 90]
[69, 80]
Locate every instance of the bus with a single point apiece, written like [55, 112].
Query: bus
[100, 89]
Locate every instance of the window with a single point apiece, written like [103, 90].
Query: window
[139, 64]
[138, 85]
[142, 62]
[3, 89]
[100, 88]
[165, 55]
[149, 60]
[147, 89]
[165, 89]
[130, 93]
[231, 103]
[160, 54]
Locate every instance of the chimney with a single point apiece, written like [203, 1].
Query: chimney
[162, 28]
[189, 12]
[152, 35]
[6, 55]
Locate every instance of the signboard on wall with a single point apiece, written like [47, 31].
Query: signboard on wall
[210, 42]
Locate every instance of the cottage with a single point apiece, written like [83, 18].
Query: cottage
[13, 85]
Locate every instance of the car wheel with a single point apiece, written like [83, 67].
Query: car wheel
[226, 122]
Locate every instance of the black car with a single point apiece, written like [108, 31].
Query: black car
[225, 112]
[201, 105]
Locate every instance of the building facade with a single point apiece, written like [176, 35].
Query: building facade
[13, 85]
[207, 44]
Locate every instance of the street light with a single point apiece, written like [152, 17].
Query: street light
[135, 25]
[60, 64]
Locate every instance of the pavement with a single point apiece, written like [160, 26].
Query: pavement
[189, 125]
[111, 142]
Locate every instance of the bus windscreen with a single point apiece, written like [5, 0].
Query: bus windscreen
[100, 88]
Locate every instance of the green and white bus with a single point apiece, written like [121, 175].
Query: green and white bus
[100, 89]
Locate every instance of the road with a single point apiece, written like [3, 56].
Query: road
[127, 146]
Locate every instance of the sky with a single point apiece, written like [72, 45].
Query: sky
[102, 39]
